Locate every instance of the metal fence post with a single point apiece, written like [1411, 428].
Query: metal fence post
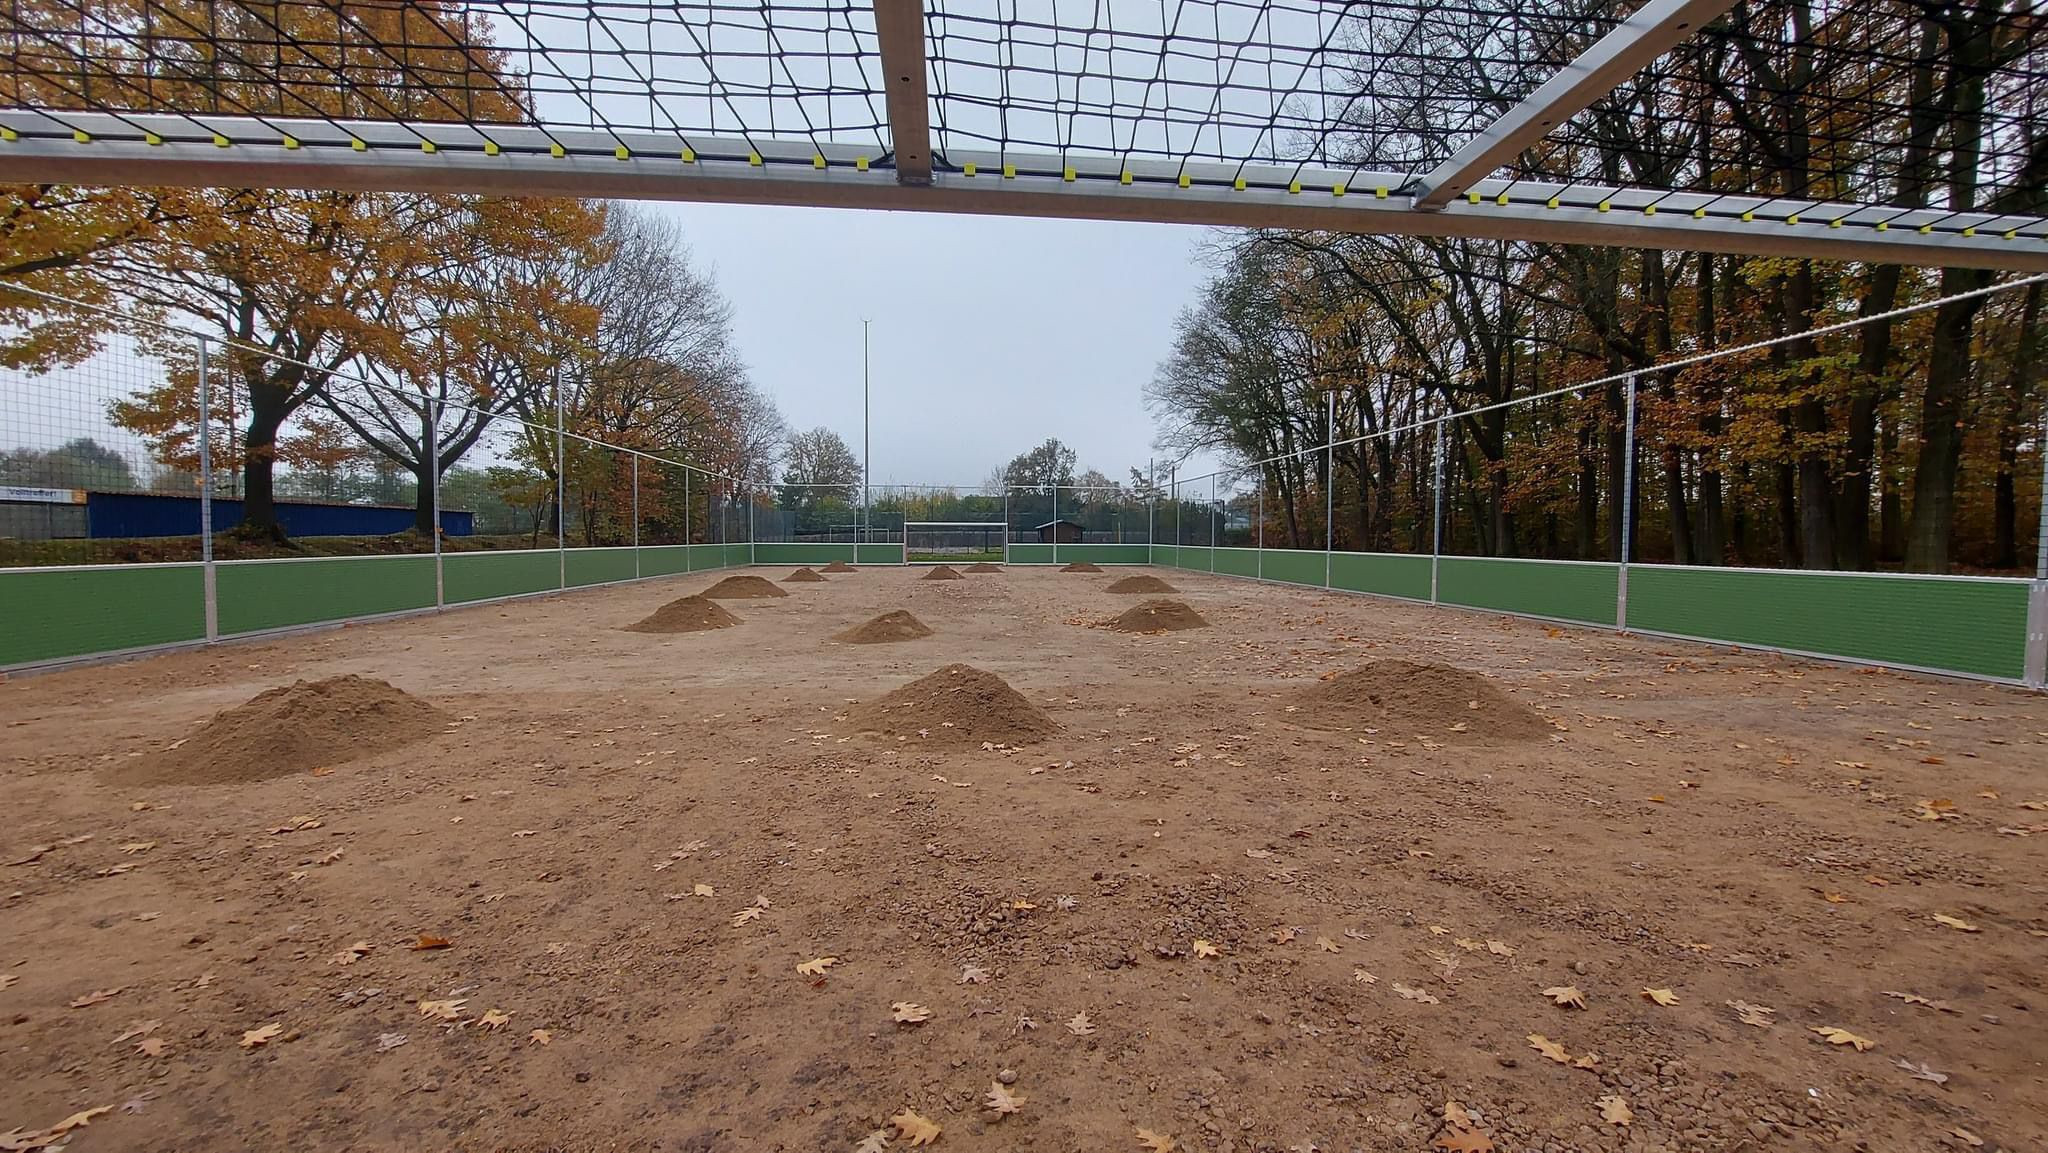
[1212, 522]
[561, 491]
[1330, 488]
[1006, 524]
[750, 525]
[635, 458]
[1055, 522]
[210, 594]
[1259, 557]
[2037, 596]
[433, 455]
[1628, 508]
[1436, 516]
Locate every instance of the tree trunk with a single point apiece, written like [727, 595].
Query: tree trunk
[1941, 417]
[1852, 503]
[1587, 513]
[259, 459]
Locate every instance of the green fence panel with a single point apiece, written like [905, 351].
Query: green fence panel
[1565, 590]
[1030, 554]
[58, 613]
[1094, 553]
[478, 576]
[792, 552]
[1195, 558]
[1955, 624]
[881, 554]
[1294, 566]
[273, 594]
[1238, 561]
[1387, 574]
[596, 566]
[664, 559]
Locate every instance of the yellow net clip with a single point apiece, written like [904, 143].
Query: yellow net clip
[1186, 181]
[9, 135]
[1970, 231]
[1471, 198]
[149, 138]
[291, 143]
[220, 141]
[1379, 194]
[358, 144]
[1009, 172]
[818, 161]
[860, 164]
[970, 168]
[490, 148]
[1748, 216]
[1835, 223]
[80, 137]
[1337, 190]
[1068, 175]
[1122, 178]
[620, 153]
[1792, 219]
[1238, 184]
[1700, 213]
[1605, 205]
[754, 158]
[1884, 226]
[1501, 201]
[1550, 203]
[689, 156]
[1294, 188]
[557, 151]
[1649, 210]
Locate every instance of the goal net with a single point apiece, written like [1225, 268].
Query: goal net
[953, 540]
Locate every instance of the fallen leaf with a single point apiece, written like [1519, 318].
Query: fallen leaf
[150, 1046]
[1456, 1139]
[1661, 996]
[910, 1013]
[1284, 934]
[1549, 1048]
[816, 966]
[427, 942]
[1361, 977]
[1205, 949]
[1748, 1014]
[351, 954]
[703, 891]
[138, 846]
[915, 1129]
[1967, 1137]
[137, 1029]
[1917, 999]
[973, 975]
[257, 1038]
[386, 1042]
[1955, 923]
[750, 913]
[1566, 995]
[1327, 945]
[874, 1142]
[1455, 1114]
[1500, 949]
[97, 996]
[539, 1037]
[1833, 898]
[55, 1137]
[1837, 1036]
[493, 1019]
[1080, 1025]
[449, 1010]
[1001, 1100]
[1414, 994]
[1156, 1142]
[1921, 1072]
[296, 824]
[1615, 1110]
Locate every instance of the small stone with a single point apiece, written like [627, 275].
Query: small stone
[1007, 1077]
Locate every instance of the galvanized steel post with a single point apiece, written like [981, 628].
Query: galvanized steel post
[210, 594]
[1436, 516]
[1628, 508]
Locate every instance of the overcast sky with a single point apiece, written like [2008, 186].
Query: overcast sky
[990, 334]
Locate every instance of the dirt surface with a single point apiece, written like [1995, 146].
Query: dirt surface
[958, 706]
[802, 576]
[941, 573]
[1141, 583]
[745, 587]
[692, 614]
[1080, 566]
[1158, 616]
[982, 567]
[1424, 701]
[897, 625]
[839, 566]
[302, 727]
[1726, 826]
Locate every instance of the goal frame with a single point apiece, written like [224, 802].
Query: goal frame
[999, 526]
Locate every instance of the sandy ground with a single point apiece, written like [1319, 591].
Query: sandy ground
[1726, 826]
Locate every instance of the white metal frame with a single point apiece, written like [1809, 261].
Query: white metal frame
[1002, 527]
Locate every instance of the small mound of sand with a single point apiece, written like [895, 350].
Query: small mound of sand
[982, 567]
[840, 566]
[1080, 566]
[890, 626]
[940, 573]
[1403, 699]
[1160, 616]
[292, 729]
[802, 576]
[685, 615]
[739, 588]
[959, 706]
[1142, 584]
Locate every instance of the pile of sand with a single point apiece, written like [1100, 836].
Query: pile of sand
[1405, 699]
[983, 567]
[686, 615]
[1142, 584]
[940, 573]
[957, 707]
[1080, 566]
[802, 576]
[840, 566]
[890, 626]
[739, 588]
[293, 729]
[1160, 616]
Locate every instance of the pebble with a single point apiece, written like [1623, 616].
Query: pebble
[1007, 1077]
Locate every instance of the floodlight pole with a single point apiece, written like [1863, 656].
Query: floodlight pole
[2036, 664]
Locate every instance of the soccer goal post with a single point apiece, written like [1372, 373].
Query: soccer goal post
[947, 541]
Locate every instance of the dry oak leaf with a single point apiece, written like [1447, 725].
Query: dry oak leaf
[1001, 1100]
[449, 1010]
[539, 1037]
[1955, 923]
[138, 846]
[910, 1013]
[1285, 934]
[1966, 1137]
[1549, 1048]
[351, 954]
[915, 1129]
[55, 1136]
[1206, 949]
[874, 1142]
[703, 891]
[1156, 1142]
[1839, 1036]
[1327, 945]
[1360, 976]
[1500, 948]
[1080, 1025]
[137, 1029]
[150, 1046]
[1456, 1139]
[750, 913]
[816, 966]
[1414, 994]
[429, 942]
[493, 1018]
[257, 1038]
[1661, 996]
[1921, 1071]
[96, 996]
[1566, 995]
[1455, 1114]
[1615, 1110]
[1748, 1014]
